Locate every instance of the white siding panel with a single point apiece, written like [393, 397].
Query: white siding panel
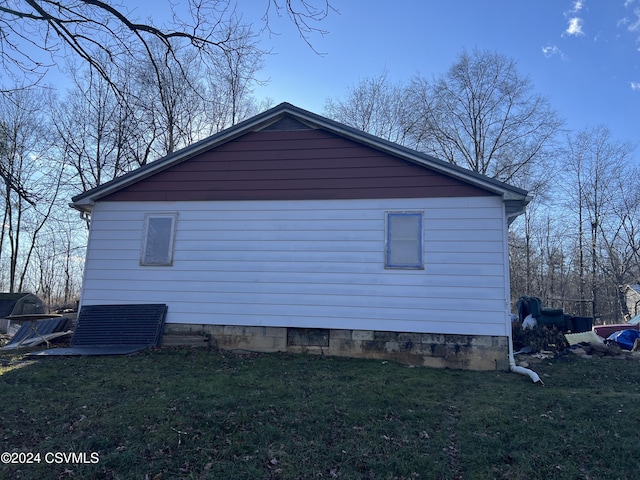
[201, 280]
[244, 244]
[339, 305]
[307, 264]
[453, 274]
[459, 224]
[457, 246]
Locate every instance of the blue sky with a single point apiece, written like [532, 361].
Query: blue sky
[583, 55]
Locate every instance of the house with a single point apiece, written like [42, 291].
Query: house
[632, 298]
[292, 232]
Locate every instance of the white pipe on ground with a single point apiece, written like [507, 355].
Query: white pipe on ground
[535, 378]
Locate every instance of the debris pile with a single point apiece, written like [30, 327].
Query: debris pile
[588, 344]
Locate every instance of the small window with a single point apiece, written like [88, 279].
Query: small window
[404, 240]
[157, 243]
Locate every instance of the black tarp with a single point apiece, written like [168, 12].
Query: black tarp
[114, 330]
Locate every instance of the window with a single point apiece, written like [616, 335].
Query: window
[157, 243]
[403, 247]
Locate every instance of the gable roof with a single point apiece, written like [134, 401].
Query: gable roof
[635, 287]
[290, 117]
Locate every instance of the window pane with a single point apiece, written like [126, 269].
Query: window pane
[159, 241]
[404, 240]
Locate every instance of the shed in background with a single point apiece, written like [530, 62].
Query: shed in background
[632, 297]
[18, 304]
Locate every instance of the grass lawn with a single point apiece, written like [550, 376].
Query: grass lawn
[195, 414]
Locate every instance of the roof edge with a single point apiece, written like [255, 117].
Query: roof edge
[84, 202]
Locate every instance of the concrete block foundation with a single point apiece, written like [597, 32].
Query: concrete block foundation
[466, 352]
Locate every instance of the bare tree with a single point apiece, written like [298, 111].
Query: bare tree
[96, 134]
[377, 106]
[178, 109]
[25, 159]
[230, 84]
[56, 274]
[104, 35]
[595, 167]
[304, 14]
[166, 102]
[100, 137]
[484, 115]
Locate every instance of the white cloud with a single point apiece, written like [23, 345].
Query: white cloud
[631, 24]
[575, 27]
[575, 22]
[635, 86]
[635, 26]
[577, 6]
[551, 50]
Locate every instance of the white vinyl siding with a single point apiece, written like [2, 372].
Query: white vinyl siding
[314, 264]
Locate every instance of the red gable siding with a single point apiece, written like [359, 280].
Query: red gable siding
[293, 165]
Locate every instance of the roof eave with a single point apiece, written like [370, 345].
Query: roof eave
[85, 207]
[85, 201]
[515, 206]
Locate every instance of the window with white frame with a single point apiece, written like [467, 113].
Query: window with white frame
[157, 241]
[403, 243]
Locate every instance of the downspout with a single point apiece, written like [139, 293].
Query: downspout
[85, 215]
[535, 378]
